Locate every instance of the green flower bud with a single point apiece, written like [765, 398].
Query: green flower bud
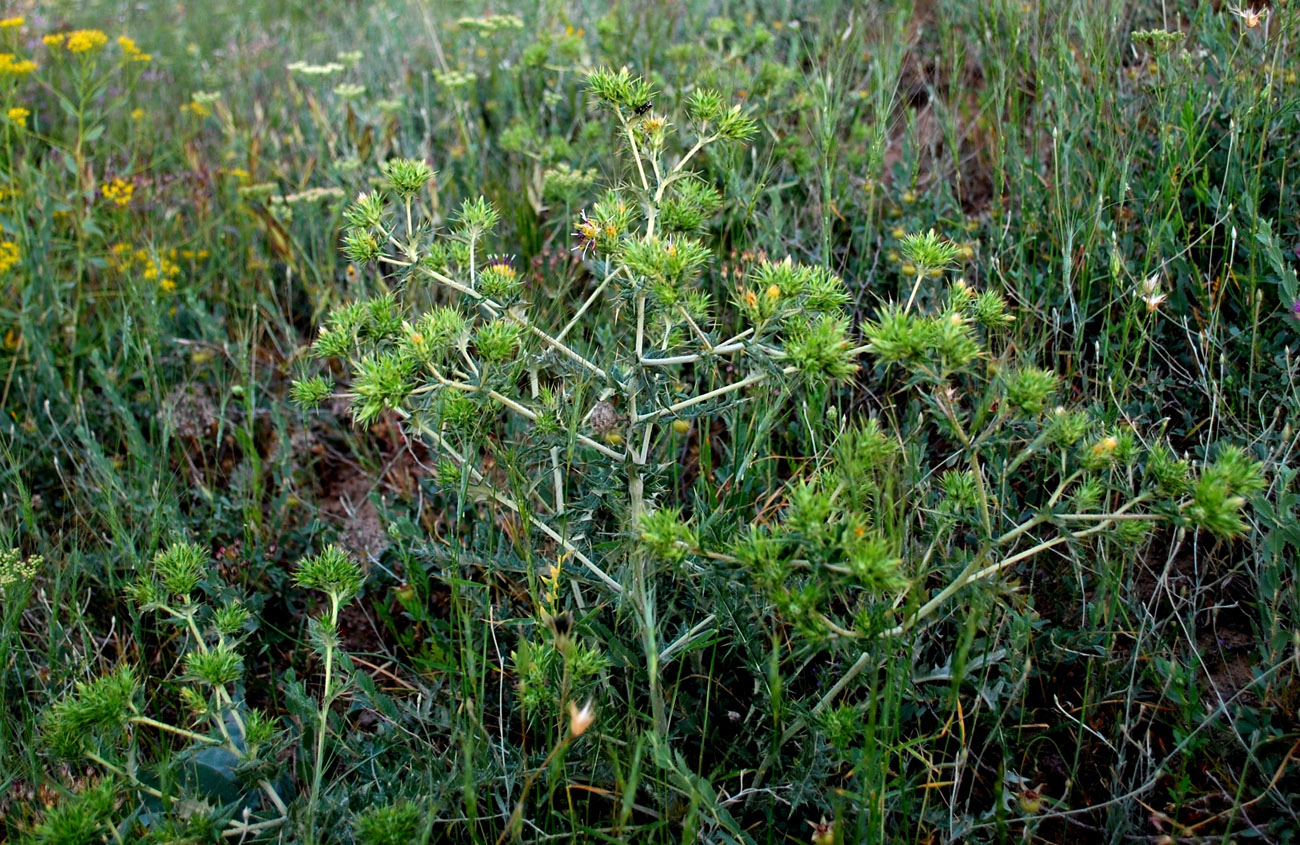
[407, 177]
[181, 567]
[332, 572]
[1028, 391]
[217, 667]
[311, 392]
[498, 341]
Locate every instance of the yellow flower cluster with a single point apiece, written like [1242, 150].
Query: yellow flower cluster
[159, 268]
[131, 51]
[77, 41]
[10, 23]
[18, 115]
[118, 191]
[9, 255]
[11, 65]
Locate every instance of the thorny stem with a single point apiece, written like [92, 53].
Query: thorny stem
[163, 726]
[507, 502]
[326, 699]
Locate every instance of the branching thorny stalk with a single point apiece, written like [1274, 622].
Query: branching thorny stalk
[643, 269]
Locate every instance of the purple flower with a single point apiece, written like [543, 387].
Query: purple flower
[1295, 309]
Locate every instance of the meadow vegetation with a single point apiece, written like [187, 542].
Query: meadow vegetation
[731, 422]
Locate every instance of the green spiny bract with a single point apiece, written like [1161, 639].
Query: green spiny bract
[406, 177]
[497, 342]
[312, 391]
[332, 572]
[181, 567]
[928, 251]
[666, 536]
[381, 383]
[216, 667]
[95, 709]
[1029, 390]
[619, 89]
[390, 824]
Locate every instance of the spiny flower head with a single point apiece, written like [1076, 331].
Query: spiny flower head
[928, 251]
[499, 279]
[331, 571]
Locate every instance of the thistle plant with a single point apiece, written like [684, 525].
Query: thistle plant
[231, 750]
[338, 576]
[999, 471]
[579, 404]
[235, 744]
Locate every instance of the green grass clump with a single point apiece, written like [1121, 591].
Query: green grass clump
[754, 423]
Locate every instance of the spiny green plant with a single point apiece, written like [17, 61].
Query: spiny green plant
[600, 390]
[231, 762]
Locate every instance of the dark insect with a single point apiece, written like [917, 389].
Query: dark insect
[643, 108]
[561, 625]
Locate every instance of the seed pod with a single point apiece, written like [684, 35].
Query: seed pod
[604, 418]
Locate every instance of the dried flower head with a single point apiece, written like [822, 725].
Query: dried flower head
[604, 418]
[580, 719]
[1150, 293]
[1250, 18]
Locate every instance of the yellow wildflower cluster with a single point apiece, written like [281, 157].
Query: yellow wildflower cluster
[11, 23]
[118, 191]
[9, 255]
[78, 41]
[131, 51]
[18, 115]
[11, 65]
[162, 268]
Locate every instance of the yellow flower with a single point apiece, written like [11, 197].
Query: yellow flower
[9, 255]
[196, 108]
[168, 285]
[143, 58]
[11, 65]
[118, 191]
[54, 39]
[18, 115]
[85, 40]
[137, 114]
[128, 45]
[10, 23]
